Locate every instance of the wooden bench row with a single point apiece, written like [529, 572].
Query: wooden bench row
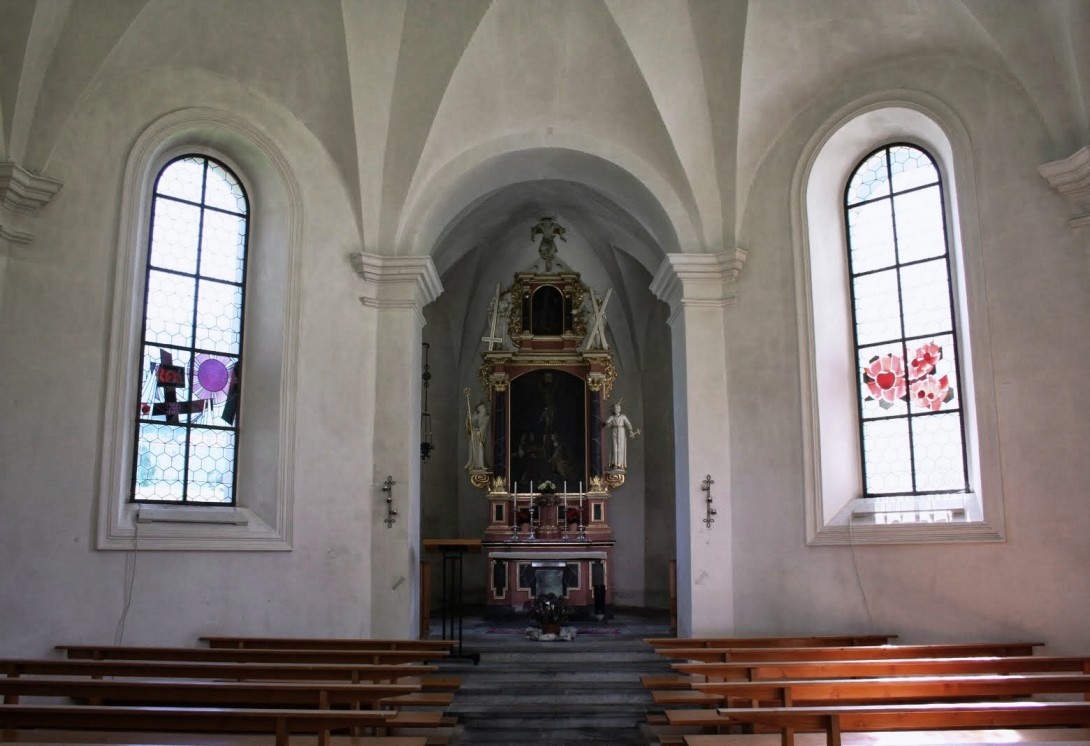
[862, 687]
[283, 723]
[293, 686]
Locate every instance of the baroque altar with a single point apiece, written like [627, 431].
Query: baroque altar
[542, 447]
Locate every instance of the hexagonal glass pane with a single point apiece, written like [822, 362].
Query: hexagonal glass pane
[219, 326]
[160, 463]
[211, 466]
[169, 311]
[223, 190]
[182, 179]
[174, 236]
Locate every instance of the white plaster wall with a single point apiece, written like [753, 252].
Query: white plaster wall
[55, 323]
[1035, 271]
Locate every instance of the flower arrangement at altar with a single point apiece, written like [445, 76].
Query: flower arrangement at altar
[548, 610]
[885, 379]
[547, 490]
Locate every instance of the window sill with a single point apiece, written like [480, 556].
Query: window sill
[164, 527]
[907, 520]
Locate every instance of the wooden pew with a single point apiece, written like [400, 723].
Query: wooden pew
[283, 723]
[290, 695]
[422, 674]
[815, 692]
[835, 720]
[315, 643]
[155, 653]
[971, 737]
[768, 642]
[931, 716]
[857, 652]
[752, 671]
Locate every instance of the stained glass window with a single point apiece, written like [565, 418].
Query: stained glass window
[191, 354]
[906, 344]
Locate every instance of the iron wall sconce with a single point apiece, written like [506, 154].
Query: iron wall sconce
[388, 488]
[706, 486]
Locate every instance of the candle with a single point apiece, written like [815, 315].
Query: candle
[516, 488]
[531, 486]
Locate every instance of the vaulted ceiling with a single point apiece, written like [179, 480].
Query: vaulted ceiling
[452, 123]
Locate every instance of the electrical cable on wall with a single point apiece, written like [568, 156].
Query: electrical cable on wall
[130, 578]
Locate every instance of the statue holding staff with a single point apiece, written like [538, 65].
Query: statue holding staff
[476, 431]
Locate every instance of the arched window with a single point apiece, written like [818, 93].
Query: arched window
[904, 322]
[186, 449]
[898, 393]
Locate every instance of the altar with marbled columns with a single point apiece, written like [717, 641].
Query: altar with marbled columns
[541, 447]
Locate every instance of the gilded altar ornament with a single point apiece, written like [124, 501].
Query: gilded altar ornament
[615, 479]
[549, 230]
[479, 479]
[499, 486]
[596, 486]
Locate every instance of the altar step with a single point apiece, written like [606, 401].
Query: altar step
[584, 691]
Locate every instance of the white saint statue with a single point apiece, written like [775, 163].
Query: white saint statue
[477, 432]
[621, 430]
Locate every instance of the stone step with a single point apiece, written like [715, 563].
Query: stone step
[555, 693]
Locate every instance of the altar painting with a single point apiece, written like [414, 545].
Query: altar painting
[548, 429]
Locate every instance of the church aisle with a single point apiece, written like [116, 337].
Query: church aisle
[584, 691]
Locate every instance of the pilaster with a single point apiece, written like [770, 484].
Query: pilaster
[699, 289]
[397, 289]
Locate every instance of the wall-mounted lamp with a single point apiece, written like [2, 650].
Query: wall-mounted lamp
[388, 488]
[706, 486]
[425, 418]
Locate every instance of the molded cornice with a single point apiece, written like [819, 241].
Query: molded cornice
[1071, 178]
[397, 281]
[699, 279]
[22, 193]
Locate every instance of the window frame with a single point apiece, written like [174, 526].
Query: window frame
[835, 509]
[261, 519]
[207, 162]
[905, 341]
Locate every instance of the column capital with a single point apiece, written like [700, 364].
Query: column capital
[22, 193]
[1071, 178]
[699, 279]
[396, 281]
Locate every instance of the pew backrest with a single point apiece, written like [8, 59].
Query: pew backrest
[425, 674]
[931, 716]
[115, 652]
[282, 723]
[314, 643]
[858, 652]
[900, 689]
[730, 671]
[769, 642]
[296, 694]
